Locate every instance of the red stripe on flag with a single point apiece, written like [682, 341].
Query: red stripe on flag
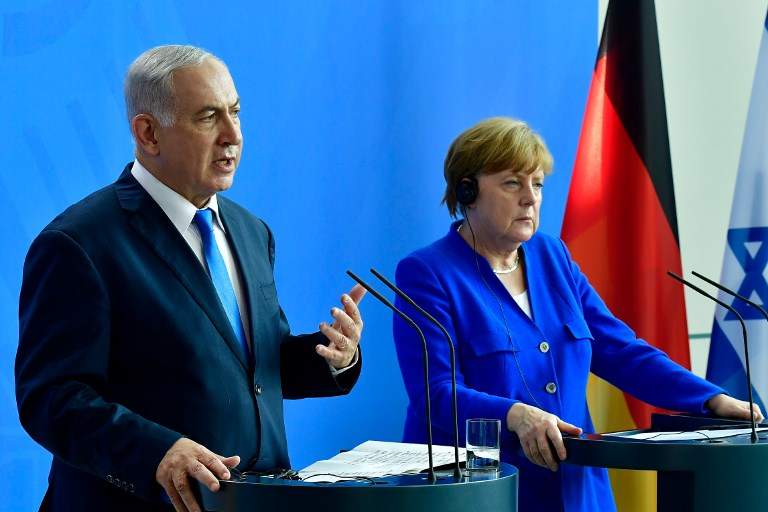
[617, 231]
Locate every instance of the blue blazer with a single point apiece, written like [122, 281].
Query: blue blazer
[495, 370]
[124, 347]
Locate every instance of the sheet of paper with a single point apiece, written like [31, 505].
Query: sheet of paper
[685, 436]
[374, 459]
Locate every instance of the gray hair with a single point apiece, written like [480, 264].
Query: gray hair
[149, 81]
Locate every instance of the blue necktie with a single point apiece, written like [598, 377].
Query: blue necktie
[218, 272]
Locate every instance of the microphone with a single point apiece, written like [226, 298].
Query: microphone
[753, 436]
[722, 287]
[409, 321]
[451, 347]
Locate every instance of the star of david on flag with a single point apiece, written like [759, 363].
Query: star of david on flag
[750, 250]
[746, 255]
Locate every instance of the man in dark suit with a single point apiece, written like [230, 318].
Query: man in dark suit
[152, 348]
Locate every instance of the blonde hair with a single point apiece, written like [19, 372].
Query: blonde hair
[493, 145]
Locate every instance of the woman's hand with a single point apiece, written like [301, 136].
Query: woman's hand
[728, 407]
[539, 432]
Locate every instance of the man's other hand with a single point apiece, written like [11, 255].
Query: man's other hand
[185, 459]
[344, 334]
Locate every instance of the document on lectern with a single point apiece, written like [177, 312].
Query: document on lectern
[375, 459]
[693, 435]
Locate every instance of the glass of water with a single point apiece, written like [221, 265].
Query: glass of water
[483, 444]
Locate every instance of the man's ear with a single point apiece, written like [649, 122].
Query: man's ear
[144, 129]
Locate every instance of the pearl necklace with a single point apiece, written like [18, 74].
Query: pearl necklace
[502, 271]
[509, 270]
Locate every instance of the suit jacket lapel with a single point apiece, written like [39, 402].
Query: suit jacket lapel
[149, 220]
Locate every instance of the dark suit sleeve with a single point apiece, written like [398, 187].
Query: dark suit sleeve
[62, 367]
[303, 372]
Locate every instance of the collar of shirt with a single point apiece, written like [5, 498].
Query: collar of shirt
[178, 209]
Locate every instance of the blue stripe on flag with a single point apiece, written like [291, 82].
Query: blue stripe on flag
[724, 367]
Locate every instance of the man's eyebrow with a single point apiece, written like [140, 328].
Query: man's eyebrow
[207, 108]
[214, 108]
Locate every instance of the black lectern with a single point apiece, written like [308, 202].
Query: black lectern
[497, 491]
[702, 475]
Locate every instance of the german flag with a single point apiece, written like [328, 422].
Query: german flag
[620, 221]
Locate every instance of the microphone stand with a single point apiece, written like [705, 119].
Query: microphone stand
[409, 321]
[753, 436]
[451, 347]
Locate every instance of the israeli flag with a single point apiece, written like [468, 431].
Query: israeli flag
[746, 255]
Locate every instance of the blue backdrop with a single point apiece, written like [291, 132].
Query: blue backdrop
[348, 110]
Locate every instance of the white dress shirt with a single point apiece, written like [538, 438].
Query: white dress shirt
[523, 302]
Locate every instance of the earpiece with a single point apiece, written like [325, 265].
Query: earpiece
[466, 191]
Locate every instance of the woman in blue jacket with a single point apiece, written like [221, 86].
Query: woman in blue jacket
[527, 324]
